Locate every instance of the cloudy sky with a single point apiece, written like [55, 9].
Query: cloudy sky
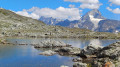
[62, 9]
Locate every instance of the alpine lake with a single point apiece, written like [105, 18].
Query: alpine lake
[28, 56]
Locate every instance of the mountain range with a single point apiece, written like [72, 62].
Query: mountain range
[14, 25]
[93, 20]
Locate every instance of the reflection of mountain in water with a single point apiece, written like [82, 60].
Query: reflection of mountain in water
[80, 43]
[96, 42]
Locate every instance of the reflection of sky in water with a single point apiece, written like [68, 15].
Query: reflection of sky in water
[81, 43]
[27, 56]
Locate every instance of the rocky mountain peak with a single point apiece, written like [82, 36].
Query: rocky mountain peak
[49, 20]
[95, 13]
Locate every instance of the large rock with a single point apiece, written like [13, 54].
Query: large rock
[50, 43]
[103, 62]
[69, 50]
[77, 59]
[90, 50]
[80, 64]
[48, 53]
[112, 51]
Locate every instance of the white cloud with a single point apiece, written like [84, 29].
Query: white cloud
[117, 2]
[72, 0]
[84, 1]
[116, 11]
[71, 6]
[60, 13]
[90, 4]
[25, 13]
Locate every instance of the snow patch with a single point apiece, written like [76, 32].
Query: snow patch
[76, 25]
[95, 21]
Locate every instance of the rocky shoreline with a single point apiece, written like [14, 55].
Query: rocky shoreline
[90, 56]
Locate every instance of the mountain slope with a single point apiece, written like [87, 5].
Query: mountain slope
[14, 25]
[90, 20]
[109, 25]
[93, 20]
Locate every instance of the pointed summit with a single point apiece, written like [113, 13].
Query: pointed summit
[93, 17]
[95, 13]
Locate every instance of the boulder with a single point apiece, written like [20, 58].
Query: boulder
[77, 60]
[103, 62]
[112, 51]
[69, 50]
[80, 64]
[50, 43]
[90, 50]
[48, 53]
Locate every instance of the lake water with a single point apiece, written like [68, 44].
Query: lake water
[28, 56]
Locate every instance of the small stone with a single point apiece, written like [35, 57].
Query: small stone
[64, 66]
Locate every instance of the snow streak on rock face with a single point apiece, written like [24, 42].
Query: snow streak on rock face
[95, 21]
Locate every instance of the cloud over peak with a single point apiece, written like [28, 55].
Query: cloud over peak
[90, 6]
[59, 13]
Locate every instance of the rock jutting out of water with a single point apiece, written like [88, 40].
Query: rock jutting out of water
[4, 41]
[91, 55]
[48, 53]
[57, 47]
[64, 66]
[79, 64]
[77, 59]
[112, 51]
[68, 51]
[100, 56]
[50, 43]
[90, 50]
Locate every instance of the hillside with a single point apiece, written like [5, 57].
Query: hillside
[15, 25]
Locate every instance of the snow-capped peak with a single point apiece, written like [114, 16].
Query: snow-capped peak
[95, 21]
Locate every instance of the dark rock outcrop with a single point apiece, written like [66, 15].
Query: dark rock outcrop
[112, 51]
[77, 59]
[69, 50]
[90, 50]
[79, 64]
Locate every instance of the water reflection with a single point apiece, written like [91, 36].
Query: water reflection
[81, 43]
[28, 56]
